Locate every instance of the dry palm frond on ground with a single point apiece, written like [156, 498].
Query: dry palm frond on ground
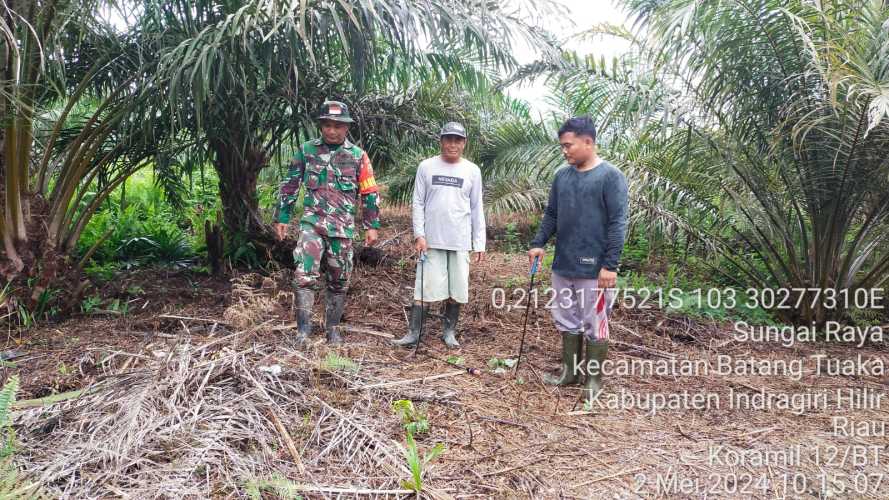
[209, 400]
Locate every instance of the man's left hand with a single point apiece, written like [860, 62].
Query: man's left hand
[607, 279]
[371, 237]
[479, 257]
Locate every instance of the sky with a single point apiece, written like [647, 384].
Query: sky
[582, 15]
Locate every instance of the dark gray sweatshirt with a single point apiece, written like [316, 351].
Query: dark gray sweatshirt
[587, 211]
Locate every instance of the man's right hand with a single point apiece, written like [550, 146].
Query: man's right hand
[420, 245]
[280, 230]
[535, 252]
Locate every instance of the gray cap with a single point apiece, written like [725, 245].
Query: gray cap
[453, 128]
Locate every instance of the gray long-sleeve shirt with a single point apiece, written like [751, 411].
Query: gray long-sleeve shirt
[447, 205]
[587, 211]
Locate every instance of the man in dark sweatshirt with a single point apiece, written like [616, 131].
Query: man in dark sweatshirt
[587, 212]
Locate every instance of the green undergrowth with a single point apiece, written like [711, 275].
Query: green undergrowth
[12, 485]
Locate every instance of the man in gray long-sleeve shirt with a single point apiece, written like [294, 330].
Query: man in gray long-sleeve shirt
[449, 222]
[587, 211]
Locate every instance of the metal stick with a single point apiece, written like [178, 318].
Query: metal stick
[527, 310]
[470, 370]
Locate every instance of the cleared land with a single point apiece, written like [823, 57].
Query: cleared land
[195, 392]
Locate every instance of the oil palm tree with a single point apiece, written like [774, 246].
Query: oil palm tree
[72, 103]
[638, 118]
[243, 78]
[791, 98]
[757, 128]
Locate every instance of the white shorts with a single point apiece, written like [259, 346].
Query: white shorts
[444, 274]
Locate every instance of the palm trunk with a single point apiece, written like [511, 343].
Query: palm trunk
[11, 265]
[238, 176]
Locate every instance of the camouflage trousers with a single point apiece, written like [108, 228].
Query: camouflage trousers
[313, 248]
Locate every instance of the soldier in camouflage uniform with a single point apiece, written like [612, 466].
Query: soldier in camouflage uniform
[335, 173]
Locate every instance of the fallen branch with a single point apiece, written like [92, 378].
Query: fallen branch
[410, 381]
[505, 422]
[517, 467]
[609, 476]
[390, 240]
[347, 328]
[357, 329]
[48, 400]
[285, 327]
[643, 348]
[233, 335]
[579, 412]
[288, 441]
[349, 490]
[187, 318]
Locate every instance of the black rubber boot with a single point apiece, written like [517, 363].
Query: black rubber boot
[413, 328]
[594, 351]
[333, 313]
[451, 315]
[305, 299]
[570, 369]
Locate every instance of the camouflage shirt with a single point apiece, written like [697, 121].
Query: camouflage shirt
[334, 181]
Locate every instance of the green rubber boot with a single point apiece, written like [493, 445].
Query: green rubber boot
[305, 299]
[594, 351]
[570, 369]
[333, 313]
[413, 331]
[451, 314]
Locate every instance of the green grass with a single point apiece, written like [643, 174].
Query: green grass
[7, 400]
[418, 464]
[276, 485]
[11, 485]
[334, 362]
[413, 420]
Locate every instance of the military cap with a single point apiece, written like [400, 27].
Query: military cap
[336, 111]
